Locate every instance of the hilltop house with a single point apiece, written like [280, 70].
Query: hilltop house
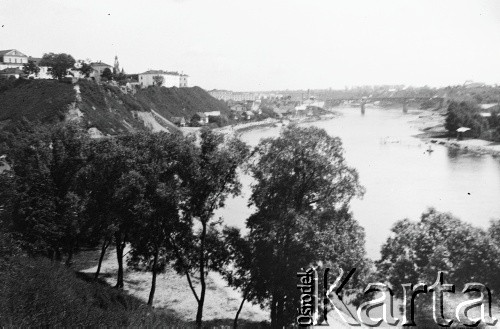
[98, 68]
[170, 79]
[12, 58]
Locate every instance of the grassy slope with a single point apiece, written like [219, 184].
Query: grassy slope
[184, 102]
[39, 293]
[104, 107]
[42, 100]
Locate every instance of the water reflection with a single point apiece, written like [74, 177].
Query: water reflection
[402, 178]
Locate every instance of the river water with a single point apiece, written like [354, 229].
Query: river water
[401, 178]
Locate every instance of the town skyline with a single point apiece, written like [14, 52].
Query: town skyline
[263, 46]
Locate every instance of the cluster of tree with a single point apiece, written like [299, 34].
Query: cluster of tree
[416, 251]
[465, 114]
[157, 194]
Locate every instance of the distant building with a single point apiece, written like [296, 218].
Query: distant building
[212, 113]
[98, 68]
[199, 118]
[227, 95]
[170, 79]
[238, 108]
[44, 70]
[179, 121]
[248, 115]
[12, 58]
[224, 95]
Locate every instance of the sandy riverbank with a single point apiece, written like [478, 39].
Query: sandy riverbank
[431, 125]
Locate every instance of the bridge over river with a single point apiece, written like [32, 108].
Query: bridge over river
[400, 100]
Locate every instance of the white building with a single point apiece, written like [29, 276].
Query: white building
[170, 79]
[12, 58]
[15, 59]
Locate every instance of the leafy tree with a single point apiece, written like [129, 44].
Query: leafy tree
[58, 64]
[211, 177]
[416, 251]
[31, 68]
[161, 157]
[238, 275]
[302, 191]
[85, 68]
[107, 163]
[46, 164]
[158, 80]
[465, 114]
[107, 74]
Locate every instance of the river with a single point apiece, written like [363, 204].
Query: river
[401, 178]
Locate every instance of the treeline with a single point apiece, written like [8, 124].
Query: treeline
[468, 114]
[157, 193]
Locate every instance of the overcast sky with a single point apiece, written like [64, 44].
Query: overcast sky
[267, 44]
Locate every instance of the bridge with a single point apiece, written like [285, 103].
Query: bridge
[402, 100]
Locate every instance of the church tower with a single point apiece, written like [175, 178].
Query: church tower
[116, 67]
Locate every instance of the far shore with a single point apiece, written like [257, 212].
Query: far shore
[431, 125]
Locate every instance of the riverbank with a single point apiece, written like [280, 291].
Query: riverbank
[431, 124]
[241, 128]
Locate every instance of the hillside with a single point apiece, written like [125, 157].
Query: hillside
[36, 292]
[102, 108]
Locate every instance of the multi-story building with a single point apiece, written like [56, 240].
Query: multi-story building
[12, 58]
[15, 59]
[170, 79]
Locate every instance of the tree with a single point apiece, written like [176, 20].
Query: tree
[107, 74]
[238, 275]
[416, 251]
[301, 195]
[211, 177]
[158, 80]
[84, 67]
[58, 64]
[161, 157]
[439, 241]
[46, 212]
[31, 68]
[106, 164]
[465, 114]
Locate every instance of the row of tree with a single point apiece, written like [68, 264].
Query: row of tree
[157, 194]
